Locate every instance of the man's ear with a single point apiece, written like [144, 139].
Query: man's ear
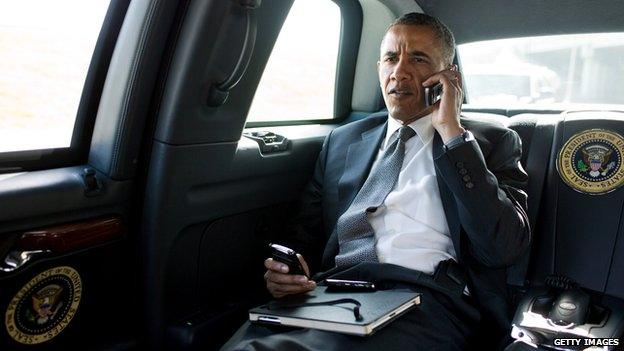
[378, 63]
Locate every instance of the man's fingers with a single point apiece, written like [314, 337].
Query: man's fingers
[449, 78]
[454, 80]
[431, 80]
[280, 284]
[452, 86]
[436, 78]
[445, 77]
[285, 278]
[273, 265]
[288, 288]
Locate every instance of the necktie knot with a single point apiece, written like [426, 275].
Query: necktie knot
[405, 133]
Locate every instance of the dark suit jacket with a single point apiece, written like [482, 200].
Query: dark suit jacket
[479, 185]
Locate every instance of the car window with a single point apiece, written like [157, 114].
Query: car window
[45, 51]
[299, 78]
[559, 72]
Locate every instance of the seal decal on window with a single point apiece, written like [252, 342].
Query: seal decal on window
[591, 161]
[44, 306]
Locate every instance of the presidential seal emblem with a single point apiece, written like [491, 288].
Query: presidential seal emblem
[44, 306]
[591, 161]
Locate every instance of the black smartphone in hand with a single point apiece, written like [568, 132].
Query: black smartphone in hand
[288, 257]
[433, 94]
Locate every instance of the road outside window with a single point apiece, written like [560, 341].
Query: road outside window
[556, 72]
[45, 51]
[298, 81]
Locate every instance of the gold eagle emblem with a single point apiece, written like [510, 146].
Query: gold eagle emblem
[591, 162]
[46, 302]
[595, 156]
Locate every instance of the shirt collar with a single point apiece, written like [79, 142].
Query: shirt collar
[422, 126]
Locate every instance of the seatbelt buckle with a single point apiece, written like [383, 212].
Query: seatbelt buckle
[450, 275]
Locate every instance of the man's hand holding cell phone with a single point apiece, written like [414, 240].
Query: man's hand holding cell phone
[287, 272]
[446, 117]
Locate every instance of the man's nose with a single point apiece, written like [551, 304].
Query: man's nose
[401, 71]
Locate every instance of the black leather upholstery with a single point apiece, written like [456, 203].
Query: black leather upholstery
[122, 113]
[577, 235]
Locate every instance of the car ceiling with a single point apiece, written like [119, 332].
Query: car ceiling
[494, 19]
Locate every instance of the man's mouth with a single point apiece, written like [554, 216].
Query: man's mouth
[400, 92]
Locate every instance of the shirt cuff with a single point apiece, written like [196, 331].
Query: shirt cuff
[457, 141]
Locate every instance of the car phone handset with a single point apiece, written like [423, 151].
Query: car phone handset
[570, 308]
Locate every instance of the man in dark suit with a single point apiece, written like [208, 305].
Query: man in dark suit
[414, 197]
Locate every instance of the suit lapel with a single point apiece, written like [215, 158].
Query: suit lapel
[448, 201]
[359, 159]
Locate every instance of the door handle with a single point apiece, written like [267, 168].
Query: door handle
[268, 141]
[16, 259]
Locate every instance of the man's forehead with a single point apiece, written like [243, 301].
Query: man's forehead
[408, 35]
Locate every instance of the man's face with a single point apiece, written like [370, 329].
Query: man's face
[408, 56]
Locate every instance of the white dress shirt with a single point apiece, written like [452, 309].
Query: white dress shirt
[411, 228]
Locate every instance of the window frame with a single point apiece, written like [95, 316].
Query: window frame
[348, 46]
[78, 151]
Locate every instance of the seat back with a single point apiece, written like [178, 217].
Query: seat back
[575, 234]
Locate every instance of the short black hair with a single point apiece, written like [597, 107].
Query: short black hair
[442, 31]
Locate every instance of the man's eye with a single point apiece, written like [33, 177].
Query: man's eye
[390, 59]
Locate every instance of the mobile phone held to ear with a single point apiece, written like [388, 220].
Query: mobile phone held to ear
[288, 257]
[433, 94]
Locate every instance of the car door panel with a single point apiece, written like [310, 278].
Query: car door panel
[229, 202]
[94, 299]
[99, 183]
[29, 198]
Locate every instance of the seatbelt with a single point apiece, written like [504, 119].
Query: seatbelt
[542, 140]
[541, 144]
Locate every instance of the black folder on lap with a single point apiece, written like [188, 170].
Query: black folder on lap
[310, 310]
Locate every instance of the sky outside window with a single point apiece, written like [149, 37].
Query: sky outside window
[45, 51]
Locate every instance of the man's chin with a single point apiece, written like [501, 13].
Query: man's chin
[405, 116]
